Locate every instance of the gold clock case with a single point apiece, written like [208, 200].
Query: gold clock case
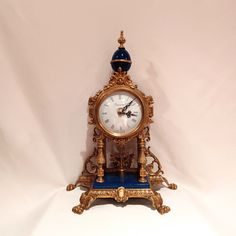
[120, 81]
[118, 88]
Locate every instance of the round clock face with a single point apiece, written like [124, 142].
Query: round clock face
[120, 113]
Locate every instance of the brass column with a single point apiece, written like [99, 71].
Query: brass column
[142, 160]
[100, 159]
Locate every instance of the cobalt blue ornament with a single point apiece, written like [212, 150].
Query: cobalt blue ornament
[121, 60]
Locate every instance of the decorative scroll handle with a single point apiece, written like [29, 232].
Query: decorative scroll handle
[151, 166]
[90, 166]
[156, 177]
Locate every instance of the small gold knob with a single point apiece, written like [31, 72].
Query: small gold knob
[121, 39]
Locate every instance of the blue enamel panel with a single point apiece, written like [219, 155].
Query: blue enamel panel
[116, 180]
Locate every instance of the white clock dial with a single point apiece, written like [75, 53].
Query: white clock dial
[120, 113]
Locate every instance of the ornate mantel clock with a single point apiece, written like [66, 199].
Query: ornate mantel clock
[121, 166]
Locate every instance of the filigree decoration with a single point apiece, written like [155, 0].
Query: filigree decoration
[96, 134]
[121, 141]
[122, 160]
[153, 168]
[121, 78]
[150, 102]
[155, 172]
[146, 134]
[91, 105]
[90, 166]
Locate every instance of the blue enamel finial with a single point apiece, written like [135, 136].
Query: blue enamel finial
[121, 60]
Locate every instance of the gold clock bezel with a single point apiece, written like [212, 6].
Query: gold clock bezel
[136, 93]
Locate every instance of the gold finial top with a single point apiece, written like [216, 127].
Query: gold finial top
[121, 39]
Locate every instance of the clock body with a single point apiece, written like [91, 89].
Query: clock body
[121, 165]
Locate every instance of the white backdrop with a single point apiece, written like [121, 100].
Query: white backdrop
[55, 54]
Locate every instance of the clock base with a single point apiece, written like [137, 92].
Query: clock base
[121, 187]
[121, 195]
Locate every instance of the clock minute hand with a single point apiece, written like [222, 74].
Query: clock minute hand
[125, 107]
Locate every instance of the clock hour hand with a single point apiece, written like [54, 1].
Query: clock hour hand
[126, 106]
[129, 114]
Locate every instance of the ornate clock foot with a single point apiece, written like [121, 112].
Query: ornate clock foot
[156, 200]
[86, 200]
[172, 186]
[78, 209]
[83, 180]
[70, 187]
[163, 209]
[169, 185]
[157, 203]
[160, 180]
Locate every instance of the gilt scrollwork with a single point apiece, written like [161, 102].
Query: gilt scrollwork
[96, 134]
[121, 160]
[150, 102]
[146, 134]
[153, 167]
[90, 166]
[121, 78]
[155, 172]
[121, 141]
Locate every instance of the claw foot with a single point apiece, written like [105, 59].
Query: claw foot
[78, 209]
[70, 187]
[163, 209]
[172, 186]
